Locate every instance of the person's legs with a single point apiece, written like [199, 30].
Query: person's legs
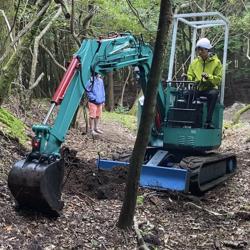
[97, 119]
[91, 124]
[97, 130]
[212, 96]
[189, 96]
[92, 117]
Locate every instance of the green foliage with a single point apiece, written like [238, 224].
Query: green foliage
[140, 200]
[12, 126]
[121, 110]
[117, 16]
[227, 124]
[128, 121]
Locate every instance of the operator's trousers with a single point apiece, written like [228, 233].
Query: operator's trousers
[211, 95]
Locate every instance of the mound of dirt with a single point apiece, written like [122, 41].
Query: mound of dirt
[86, 179]
[10, 151]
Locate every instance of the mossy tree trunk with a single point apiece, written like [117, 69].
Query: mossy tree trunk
[237, 115]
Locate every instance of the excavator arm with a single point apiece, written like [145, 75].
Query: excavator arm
[37, 180]
[99, 56]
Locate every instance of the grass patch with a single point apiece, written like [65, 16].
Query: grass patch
[126, 120]
[12, 126]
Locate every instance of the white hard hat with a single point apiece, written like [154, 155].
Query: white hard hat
[204, 43]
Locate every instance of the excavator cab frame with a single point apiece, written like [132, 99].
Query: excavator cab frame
[185, 126]
[209, 20]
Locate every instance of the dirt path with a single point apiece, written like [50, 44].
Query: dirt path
[218, 220]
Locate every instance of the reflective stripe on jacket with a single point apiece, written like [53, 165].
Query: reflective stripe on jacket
[212, 66]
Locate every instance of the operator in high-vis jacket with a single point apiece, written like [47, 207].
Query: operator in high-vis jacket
[206, 71]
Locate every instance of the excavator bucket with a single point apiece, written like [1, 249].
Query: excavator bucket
[37, 185]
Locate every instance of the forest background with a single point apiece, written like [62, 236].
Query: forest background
[39, 37]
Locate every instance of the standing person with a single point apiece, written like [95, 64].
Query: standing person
[96, 100]
[206, 70]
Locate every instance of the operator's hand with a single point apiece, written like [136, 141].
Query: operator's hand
[204, 75]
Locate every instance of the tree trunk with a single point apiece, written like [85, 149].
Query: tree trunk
[236, 117]
[133, 109]
[120, 102]
[110, 92]
[148, 113]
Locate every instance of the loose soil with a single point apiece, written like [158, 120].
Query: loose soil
[220, 219]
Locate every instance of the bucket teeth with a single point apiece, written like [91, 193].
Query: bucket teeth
[38, 185]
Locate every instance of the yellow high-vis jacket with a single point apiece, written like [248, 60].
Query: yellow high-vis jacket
[212, 66]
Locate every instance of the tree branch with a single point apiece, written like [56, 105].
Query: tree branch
[8, 25]
[15, 18]
[247, 54]
[65, 8]
[39, 78]
[72, 24]
[134, 10]
[25, 30]
[52, 57]
[36, 45]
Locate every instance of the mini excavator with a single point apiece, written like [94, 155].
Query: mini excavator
[179, 154]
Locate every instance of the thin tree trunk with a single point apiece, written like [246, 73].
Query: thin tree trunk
[132, 111]
[9, 28]
[110, 92]
[148, 113]
[52, 57]
[72, 28]
[236, 116]
[124, 87]
[36, 46]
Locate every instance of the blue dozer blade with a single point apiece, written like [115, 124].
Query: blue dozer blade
[155, 177]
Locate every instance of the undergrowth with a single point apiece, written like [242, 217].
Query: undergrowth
[126, 120]
[12, 126]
